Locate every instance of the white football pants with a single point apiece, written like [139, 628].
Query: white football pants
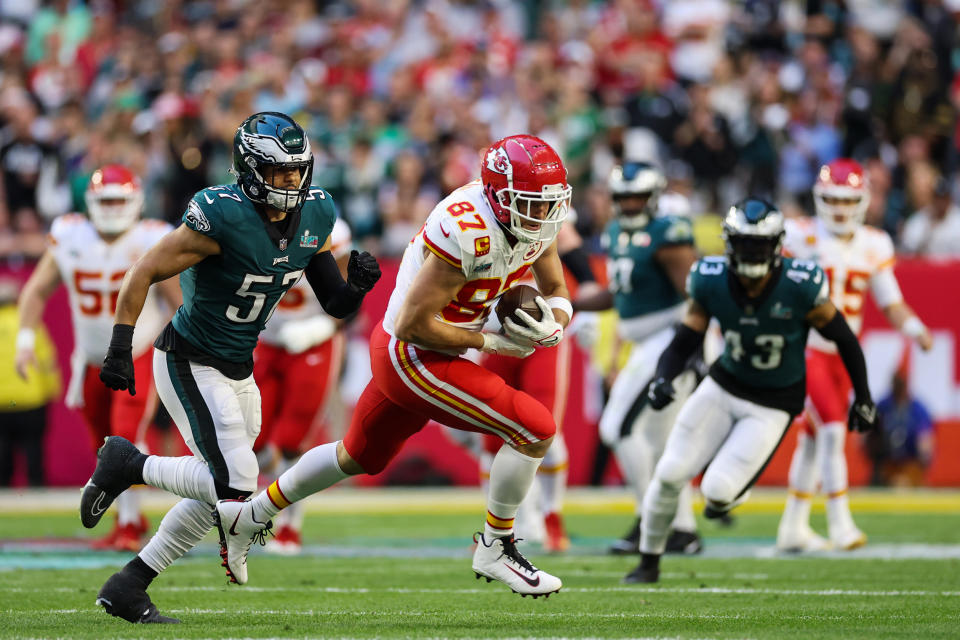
[735, 437]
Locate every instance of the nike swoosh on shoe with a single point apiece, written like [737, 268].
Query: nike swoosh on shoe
[233, 527]
[532, 583]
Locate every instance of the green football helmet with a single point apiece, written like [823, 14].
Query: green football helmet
[272, 140]
[753, 232]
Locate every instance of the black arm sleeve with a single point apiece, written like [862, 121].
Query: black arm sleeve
[674, 358]
[336, 297]
[578, 262]
[839, 332]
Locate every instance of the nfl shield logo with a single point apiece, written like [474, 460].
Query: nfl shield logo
[283, 244]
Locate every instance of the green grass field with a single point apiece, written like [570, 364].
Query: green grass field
[403, 570]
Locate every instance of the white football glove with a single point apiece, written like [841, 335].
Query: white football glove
[297, 336]
[546, 332]
[502, 345]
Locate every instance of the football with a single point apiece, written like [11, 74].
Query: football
[519, 297]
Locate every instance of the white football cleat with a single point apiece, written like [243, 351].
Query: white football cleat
[498, 559]
[848, 539]
[238, 530]
[801, 540]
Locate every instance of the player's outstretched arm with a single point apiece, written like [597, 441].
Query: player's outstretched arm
[33, 298]
[177, 251]
[830, 323]
[338, 297]
[906, 320]
[686, 341]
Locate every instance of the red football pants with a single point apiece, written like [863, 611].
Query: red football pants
[412, 386]
[828, 391]
[545, 375]
[116, 413]
[293, 390]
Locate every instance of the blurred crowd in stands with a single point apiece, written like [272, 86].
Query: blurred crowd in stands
[400, 97]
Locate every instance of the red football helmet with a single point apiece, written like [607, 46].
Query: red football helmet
[114, 199]
[841, 195]
[526, 184]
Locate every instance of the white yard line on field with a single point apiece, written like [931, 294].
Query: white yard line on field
[612, 589]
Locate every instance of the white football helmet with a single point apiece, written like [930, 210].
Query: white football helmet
[114, 199]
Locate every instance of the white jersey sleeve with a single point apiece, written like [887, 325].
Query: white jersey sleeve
[883, 283]
[341, 239]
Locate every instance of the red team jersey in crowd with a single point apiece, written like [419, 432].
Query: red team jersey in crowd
[411, 384]
[852, 267]
[92, 271]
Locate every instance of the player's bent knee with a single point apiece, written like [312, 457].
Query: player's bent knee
[673, 473]
[534, 417]
[719, 488]
[347, 464]
[535, 449]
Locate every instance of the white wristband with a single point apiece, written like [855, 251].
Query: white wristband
[559, 302]
[26, 339]
[913, 327]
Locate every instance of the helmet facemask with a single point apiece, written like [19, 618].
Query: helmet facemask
[113, 206]
[753, 234]
[268, 144]
[842, 211]
[635, 188]
[278, 197]
[753, 256]
[536, 216]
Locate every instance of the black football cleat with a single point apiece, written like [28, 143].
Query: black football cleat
[124, 598]
[630, 543]
[686, 542]
[647, 572]
[119, 465]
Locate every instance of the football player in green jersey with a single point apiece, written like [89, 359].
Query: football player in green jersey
[239, 249]
[736, 418]
[649, 257]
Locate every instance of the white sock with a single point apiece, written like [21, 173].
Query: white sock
[633, 460]
[486, 461]
[684, 520]
[552, 476]
[659, 508]
[802, 479]
[180, 530]
[292, 516]
[511, 475]
[128, 507]
[833, 467]
[187, 477]
[316, 470]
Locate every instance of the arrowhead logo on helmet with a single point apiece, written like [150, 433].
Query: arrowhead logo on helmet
[525, 183]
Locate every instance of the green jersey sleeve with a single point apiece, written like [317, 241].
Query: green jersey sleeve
[812, 285]
[703, 279]
[677, 231]
[203, 214]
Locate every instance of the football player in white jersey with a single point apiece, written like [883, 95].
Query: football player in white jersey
[476, 243]
[296, 365]
[90, 257]
[854, 257]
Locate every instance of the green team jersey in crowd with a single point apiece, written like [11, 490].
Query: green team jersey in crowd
[638, 281]
[227, 298]
[765, 337]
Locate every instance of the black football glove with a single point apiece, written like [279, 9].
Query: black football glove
[362, 271]
[863, 416]
[117, 370]
[661, 393]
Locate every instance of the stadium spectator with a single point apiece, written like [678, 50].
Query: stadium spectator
[23, 401]
[935, 229]
[903, 448]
